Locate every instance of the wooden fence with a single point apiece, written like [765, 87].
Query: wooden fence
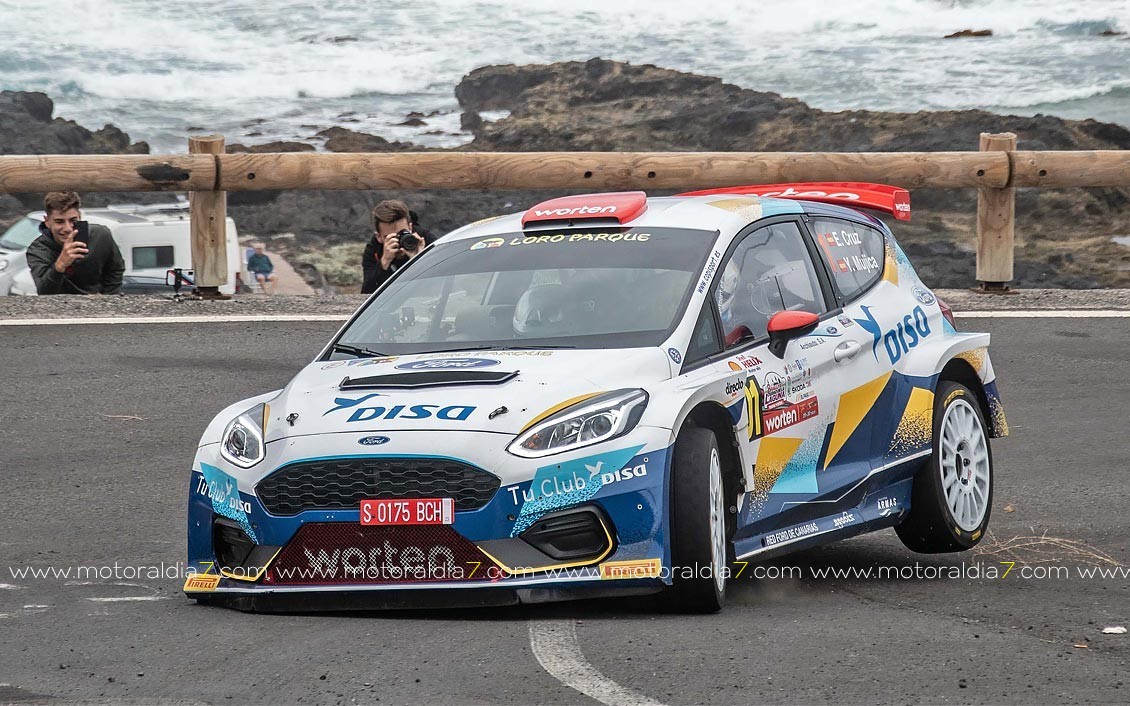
[996, 170]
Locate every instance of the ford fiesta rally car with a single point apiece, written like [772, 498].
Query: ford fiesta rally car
[607, 394]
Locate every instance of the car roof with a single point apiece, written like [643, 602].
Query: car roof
[723, 213]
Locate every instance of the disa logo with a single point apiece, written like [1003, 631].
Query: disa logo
[454, 413]
[907, 334]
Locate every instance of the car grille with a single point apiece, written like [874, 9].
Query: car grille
[341, 484]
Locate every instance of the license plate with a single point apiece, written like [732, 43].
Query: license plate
[408, 511]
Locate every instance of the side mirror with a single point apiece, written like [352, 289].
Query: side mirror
[784, 326]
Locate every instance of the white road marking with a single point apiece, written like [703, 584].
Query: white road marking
[235, 319]
[123, 599]
[555, 646]
[1046, 314]
[8, 586]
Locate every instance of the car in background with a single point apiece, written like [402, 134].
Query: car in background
[13, 244]
[153, 238]
[607, 394]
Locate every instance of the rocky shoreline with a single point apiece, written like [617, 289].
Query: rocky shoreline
[1064, 236]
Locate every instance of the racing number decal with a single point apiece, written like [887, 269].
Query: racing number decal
[754, 412]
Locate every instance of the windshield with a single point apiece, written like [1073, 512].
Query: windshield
[20, 235]
[582, 287]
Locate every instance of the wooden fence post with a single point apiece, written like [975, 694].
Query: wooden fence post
[996, 216]
[208, 212]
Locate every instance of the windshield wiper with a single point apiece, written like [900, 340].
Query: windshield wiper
[491, 348]
[355, 351]
[528, 348]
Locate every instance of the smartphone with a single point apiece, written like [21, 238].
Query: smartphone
[82, 232]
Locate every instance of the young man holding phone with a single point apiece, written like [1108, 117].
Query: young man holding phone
[71, 256]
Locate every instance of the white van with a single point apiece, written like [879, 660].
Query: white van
[153, 238]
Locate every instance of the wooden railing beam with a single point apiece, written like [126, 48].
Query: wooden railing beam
[106, 172]
[603, 171]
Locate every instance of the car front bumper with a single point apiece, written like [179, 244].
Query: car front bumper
[301, 555]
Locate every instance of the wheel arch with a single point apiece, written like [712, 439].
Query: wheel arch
[713, 416]
[960, 371]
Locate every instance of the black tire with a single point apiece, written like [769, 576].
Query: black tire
[694, 588]
[931, 526]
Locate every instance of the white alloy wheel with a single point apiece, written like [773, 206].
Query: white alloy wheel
[964, 465]
[717, 522]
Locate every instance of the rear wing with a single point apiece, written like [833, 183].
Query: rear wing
[881, 197]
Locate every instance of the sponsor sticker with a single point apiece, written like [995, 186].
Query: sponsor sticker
[886, 506]
[489, 243]
[202, 583]
[901, 338]
[580, 238]
[749, 362]
[362, 412]
[371, 361]
[708, 273]
[574, 481]
[774, 420]
[924, 295]
[676, 356]
[790, 534]
[631, 569]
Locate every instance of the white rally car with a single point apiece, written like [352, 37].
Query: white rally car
[607, 394]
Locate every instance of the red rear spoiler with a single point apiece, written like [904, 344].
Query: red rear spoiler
[881, 197]
[623, 206]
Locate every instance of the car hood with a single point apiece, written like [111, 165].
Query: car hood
[495, 391]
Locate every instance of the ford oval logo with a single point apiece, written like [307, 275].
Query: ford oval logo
[373, 440]
[448, 364]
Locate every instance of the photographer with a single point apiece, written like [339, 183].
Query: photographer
[396, 240]
[71, 256]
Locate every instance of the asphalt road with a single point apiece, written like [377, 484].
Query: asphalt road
[98, 424]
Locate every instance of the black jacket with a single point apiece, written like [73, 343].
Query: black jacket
[99, 272]
[373, 275]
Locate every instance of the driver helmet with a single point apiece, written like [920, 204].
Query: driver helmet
[541, 311]
[727, 291]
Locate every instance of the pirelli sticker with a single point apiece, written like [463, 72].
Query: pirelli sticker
[631, 569]
[202, 583]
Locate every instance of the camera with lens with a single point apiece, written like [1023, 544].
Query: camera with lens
[408, 241]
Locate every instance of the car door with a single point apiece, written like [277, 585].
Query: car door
[779, 411]
[856, 386]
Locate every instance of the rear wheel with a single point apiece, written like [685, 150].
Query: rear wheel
[953, 493]
[700, 543]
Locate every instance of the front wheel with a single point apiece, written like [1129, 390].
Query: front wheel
[700, 544]
[953, 493]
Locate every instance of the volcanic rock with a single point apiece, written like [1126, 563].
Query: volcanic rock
[970, 33]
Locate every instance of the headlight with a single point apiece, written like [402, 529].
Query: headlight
[242, 442]
[592, 421]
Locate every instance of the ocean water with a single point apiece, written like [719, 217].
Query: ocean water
[283, 69]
